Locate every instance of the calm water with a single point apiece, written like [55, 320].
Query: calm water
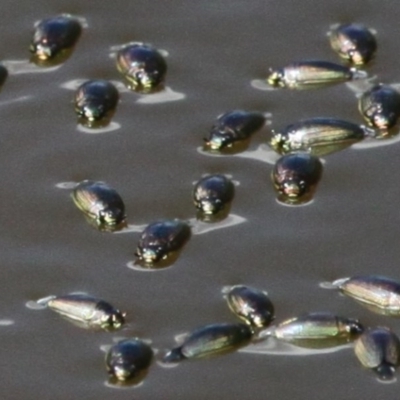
[215, 50]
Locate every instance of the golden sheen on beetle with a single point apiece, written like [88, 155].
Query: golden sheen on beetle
[380, 106]
[143, 66]
[233, 130]
[96, 101]
[100, 203]
[312, 74]
[318, 136]
[379, 349]
[251, 305]
[353, 42]
[295, 177]
[211, 340]
[316, 330]
[160, 239]
[87, 311]
[378, 293]
[128, 360]
[54, 38]
[213, 193]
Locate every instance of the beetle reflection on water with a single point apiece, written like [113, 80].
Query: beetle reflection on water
[211, 340]
[318, 136]
[233, 130]
[143, 66]
[160, 239]
[312, 74]
[95, 102]
[87, 311]
[353, 42]
[251, 305]
[101, 203]
[295, 177]
[379, 349]
[54, 38]
[129, 359]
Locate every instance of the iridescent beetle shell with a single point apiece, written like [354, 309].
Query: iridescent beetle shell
[317, 330]
[295, 177]
[379, 349]
[234, 129]
[160, 239]
[380, 106]
[211, 340]
[128, 359]
[55, 37]
[143, 66]
[378, 293]
[251, 305]
[312, 74]
[87, 311]
[213, 193]
[96, 101]
[100, 203]
[353, 42]
[318, 136]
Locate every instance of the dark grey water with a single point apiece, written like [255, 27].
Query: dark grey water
[215, 50]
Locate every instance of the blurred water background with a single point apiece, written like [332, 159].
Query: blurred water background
[215, 50]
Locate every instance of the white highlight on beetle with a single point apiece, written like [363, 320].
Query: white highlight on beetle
[274, 347]
[111, 127]
[263, 153]
[16, 67]
[163, 96]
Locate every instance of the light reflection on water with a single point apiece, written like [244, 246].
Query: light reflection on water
[272, 346]
[17, 100]
[261, 84]
[198, 227]
[66, 185]
[111, 127]
[164, 96]
[122, 386]
[263, 153]
[16, 67]
[6, 322]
